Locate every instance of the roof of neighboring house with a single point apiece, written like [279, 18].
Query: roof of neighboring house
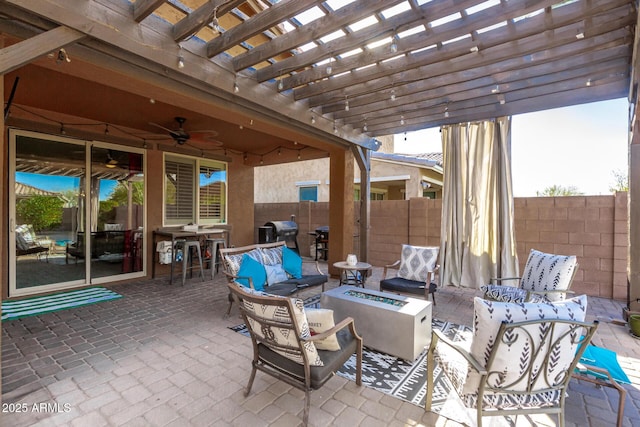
[428, 160]
[28, 190]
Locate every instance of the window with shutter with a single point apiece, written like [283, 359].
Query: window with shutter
[191, 198]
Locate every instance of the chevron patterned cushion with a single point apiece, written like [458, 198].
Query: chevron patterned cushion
[282, 336]
[545, 272]
[417, 261]
[489, 315]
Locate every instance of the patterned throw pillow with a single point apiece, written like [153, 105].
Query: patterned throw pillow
[272, 256]
[545, 272]
[234, 261]
[512, 294]
[321, 320]
[282, 336]
[417, 261]
[489, 315]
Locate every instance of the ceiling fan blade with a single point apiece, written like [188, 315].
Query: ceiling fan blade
[161, 127]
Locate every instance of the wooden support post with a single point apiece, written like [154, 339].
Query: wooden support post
[340, 207]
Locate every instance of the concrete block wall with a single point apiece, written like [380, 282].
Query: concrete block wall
[594, 228]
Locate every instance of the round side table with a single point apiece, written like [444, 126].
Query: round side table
[355, 275]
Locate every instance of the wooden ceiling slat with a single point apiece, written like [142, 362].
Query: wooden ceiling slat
[487, 112]
[144, 8]
[385, 28]
[312, 31]
[258, 23]
[498, 73]
[449, 31]
[436, 62]
[556, 82]
[202, 17]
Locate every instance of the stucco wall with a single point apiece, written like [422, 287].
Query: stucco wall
[594, 228]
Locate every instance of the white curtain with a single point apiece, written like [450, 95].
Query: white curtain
[478, 240]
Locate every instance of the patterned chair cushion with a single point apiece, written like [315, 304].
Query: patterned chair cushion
[545, 272]
[234, 261]
[510, 294]
[282, 336]
[489, 315]
[416, 262]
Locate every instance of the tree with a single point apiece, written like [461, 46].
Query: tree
[559, 190]
[43, 212]
[620, 181]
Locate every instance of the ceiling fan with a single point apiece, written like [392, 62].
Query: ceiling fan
[181, 136]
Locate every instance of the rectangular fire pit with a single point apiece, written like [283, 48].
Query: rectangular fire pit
[394, 324]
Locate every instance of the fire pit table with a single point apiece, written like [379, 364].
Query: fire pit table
[393, 324]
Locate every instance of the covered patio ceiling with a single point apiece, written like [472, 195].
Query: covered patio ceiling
[339, 70]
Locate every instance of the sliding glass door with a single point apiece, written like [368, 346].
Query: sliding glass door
[76, 213]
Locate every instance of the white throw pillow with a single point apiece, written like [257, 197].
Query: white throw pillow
[417, 261]
[544, 272]
[275, 274]
[321, 320]
[489, 315]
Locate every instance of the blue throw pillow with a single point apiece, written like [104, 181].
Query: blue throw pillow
[292, 263]
[252, 268]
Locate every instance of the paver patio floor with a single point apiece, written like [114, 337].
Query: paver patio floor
[164, 356]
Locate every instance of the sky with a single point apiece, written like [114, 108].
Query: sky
[579, 146]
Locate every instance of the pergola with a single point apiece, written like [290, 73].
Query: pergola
[303, 79]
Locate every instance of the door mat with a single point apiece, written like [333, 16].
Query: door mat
[34, 306]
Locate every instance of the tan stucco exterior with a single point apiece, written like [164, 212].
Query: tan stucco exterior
[393, 180]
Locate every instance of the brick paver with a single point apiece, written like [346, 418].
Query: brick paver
[164, 356]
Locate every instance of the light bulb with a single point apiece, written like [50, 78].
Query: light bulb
[329, 69]
[236, 88]
[180, 62]
[346, 105]
[393, 94]
[446, 114]
[401, 120]
[280, 85]
[365, 128]
[394, 47]
[313, 120]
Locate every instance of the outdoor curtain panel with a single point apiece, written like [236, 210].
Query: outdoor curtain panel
[478, 240]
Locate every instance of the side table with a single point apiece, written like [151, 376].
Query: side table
[355, 275]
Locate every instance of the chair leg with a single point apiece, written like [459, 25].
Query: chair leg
[433, 298]
[251, 378]
[305, 417]
[430, 384]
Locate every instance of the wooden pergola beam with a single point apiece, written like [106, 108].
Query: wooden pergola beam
[258, 23]
[307, 33]
[24, 52]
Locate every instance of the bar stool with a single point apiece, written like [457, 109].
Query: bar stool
[214, 244]
[187, 257]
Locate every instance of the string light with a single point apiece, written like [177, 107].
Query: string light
[298, 154]
[401, 120]
[180, 61]
[393, 94]
[446, 111]
[346, 104]
[313, 119]
[62, 131]
[394, 45]
[589, 82]
[106, 129]
[329, 67]
[280, 85]
[214, 21]
[365, 128]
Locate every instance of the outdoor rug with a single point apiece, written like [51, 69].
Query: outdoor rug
[402, 379]
[34, 306]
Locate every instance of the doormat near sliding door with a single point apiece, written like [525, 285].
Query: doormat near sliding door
[407, 380]
[34, 306]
